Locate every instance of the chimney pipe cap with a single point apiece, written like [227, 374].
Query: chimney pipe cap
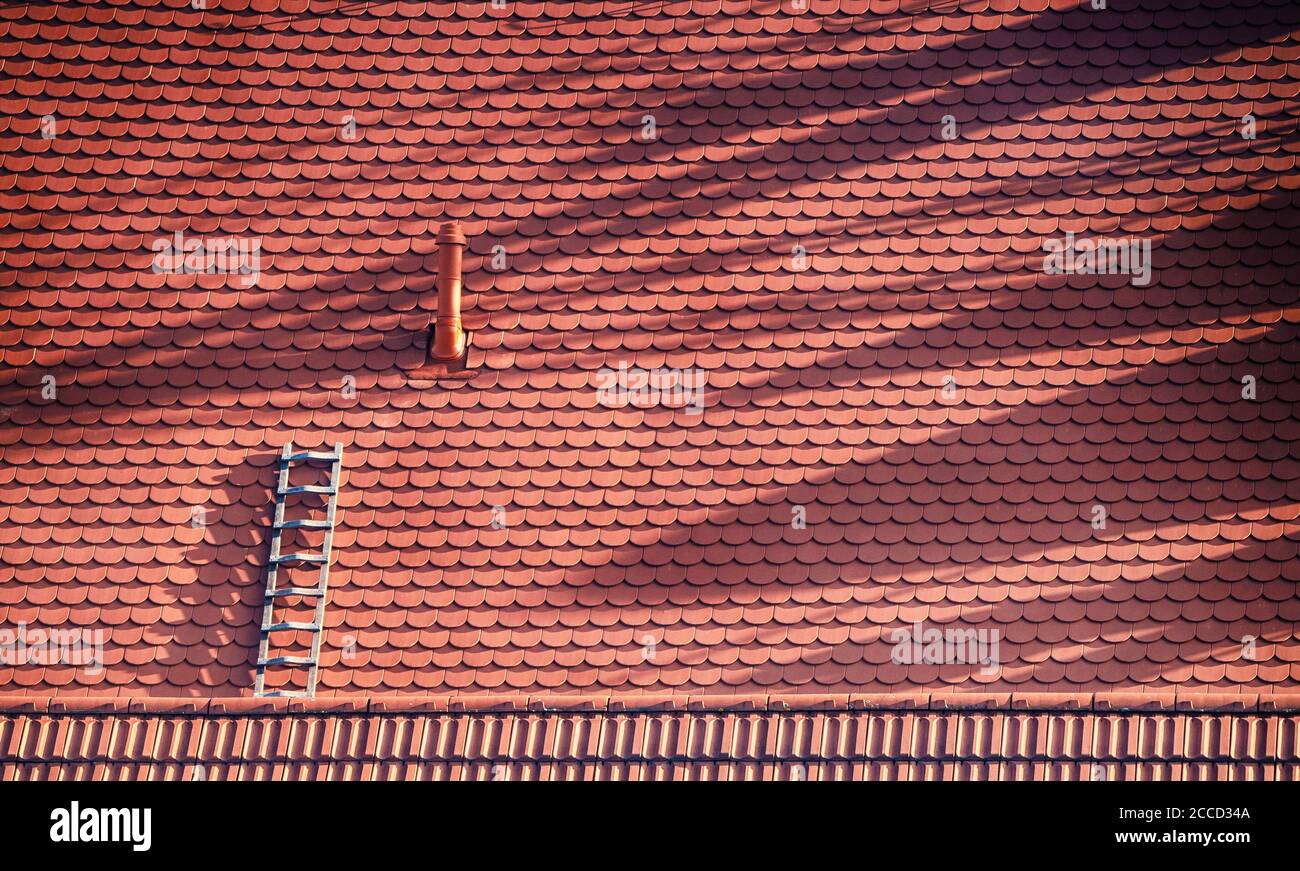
[449, 234]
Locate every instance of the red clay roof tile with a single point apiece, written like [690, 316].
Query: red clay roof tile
[825, 388]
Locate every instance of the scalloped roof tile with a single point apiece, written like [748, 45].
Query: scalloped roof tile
[883, 353]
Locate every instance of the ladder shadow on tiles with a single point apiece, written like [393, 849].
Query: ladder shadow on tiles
[297, 572]
[207, 649]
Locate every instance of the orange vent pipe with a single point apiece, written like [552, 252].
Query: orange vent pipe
[448, 337]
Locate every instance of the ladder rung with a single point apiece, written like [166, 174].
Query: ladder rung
[303, 524]
[310, 455]
[287, 660]
[290, 624]
[299, 557]
[307, 488]
[285, 694]
[294, 591]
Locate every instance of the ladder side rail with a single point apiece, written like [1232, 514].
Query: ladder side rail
[272, 567]
[336, 474]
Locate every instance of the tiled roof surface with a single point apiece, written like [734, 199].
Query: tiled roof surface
[252, 740]
[652, 551]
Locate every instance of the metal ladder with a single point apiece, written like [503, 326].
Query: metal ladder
[275, 592]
